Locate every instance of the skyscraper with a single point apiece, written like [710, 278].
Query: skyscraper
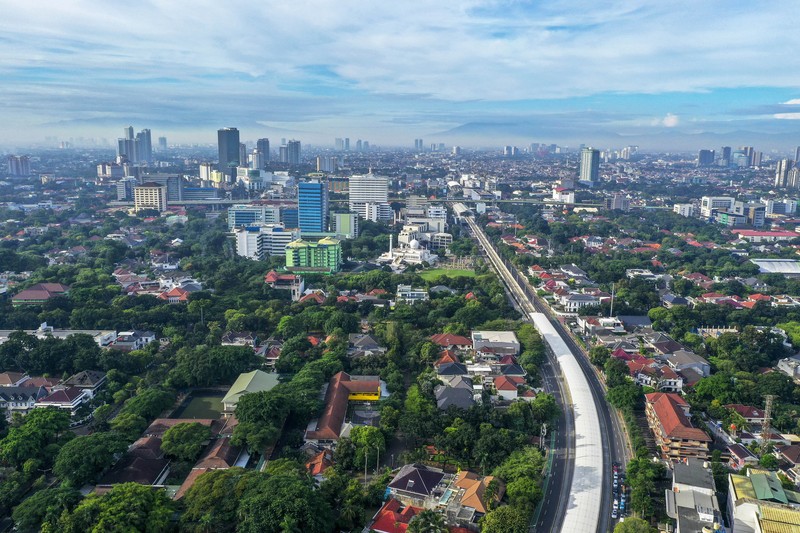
[162, 144]
[725, 160]
[347, 144]
[312, 206]
[782, 172]
[590, 165]
[705, 158]
[228, 144]
[369, 197]
[293, 152]
[242, 154]
[797, 154]
[262, 145]
[144, 146]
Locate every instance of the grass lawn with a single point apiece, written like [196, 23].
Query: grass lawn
[204, 406]
[430, 275]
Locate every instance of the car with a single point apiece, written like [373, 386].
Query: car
[614, 513]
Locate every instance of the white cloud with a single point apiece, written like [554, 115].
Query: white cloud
[670, 121]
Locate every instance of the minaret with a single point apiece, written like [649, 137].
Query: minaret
[391, 240]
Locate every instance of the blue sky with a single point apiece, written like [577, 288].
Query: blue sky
[676, 74]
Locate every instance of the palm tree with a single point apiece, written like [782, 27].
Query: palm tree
[427, 521]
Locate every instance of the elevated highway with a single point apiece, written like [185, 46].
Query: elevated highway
[578, 493]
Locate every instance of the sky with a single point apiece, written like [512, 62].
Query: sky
[675, 75]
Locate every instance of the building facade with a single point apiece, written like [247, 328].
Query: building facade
[150, 195]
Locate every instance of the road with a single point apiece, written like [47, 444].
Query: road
[559, 484]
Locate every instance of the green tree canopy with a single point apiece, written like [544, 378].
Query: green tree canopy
[38, 437]
[185, 441]
[41, 511]
[83, 459]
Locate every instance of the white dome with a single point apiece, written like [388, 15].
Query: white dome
[414, 244]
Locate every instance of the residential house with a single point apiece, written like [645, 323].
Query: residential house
[449, 341]
[740, 457]
[12, 379]
[69, 399]
[133, 340]
[789, 457]
[410, 295]
[318, 464]
[573, 302]
[507, 387]
[363, 345]
[88, 381]
[790, 366]
[653, 374]
[175, 295]
[239, 338]
[468, 500]
[219, 455]
[393, 517]
[460, 395]
[668, 418]
[16, 399]
[419, 485]
[692, 502]
[681, 360]
[144, 463]
[752, 415]
[286, 282]
[255, 381]
[447, 370]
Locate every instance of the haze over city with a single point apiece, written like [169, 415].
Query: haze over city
[661, 75]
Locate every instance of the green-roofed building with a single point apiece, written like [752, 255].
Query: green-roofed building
[255, 381]
[758, 503]
[323, 256]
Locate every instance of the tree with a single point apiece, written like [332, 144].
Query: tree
[369, 441]
[42, 509]
[130, 425]
[634, 525]
[280, 501]
[149, 403]
[39, 437]
[83, 459]
[768, 461]
[209, 503]
[428, 521]
[506, 519]
[185, 441]
[127, 507]
[616, 372]
[598, 355]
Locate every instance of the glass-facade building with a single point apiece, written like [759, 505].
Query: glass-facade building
[312, 206]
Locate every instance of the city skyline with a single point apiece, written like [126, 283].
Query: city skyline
[483, 73]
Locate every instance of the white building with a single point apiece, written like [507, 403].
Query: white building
[369, 197]
[150, 196]
[410, 295]
[261, 240]
[345, 225]
[245, 215]
[505, 341]
[684, 210]
[710, 204]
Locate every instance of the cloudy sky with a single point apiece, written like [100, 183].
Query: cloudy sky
[677, 73]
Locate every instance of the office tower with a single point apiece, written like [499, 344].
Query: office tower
[312, 206]
[162, 144]
[365, 146]
[150, 195]
[358, 145]
[228, 145]
[725, 160]
[242, 154]
[345, 225]
[258, 241]
[419, 145]
[705, 158]
[794, 179]
[339, 144]
[128, 133]
[456, 150]
[126, 146]
[369, 197]
[283, 154]
[347, 144]
[757, 157]
[262, 145]
[205, 171]
[749, 153]
[441, 147]
[19, 165]
[248, 215]
[797, 155]
[256, 160]
[618, 201]
[782, 172]
[293, 152]
[144, 147]
[125, 188]
[590, 165]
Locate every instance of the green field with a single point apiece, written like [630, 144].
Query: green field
[430, 275]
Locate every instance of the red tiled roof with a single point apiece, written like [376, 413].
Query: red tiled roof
[394, 517]
[314, 296]
[508, 383]
[746, 411]
[448, 339]
[320, 462]
[674, 424]
[447, 357]
[330, 423]
[62, 396]
[176, 292]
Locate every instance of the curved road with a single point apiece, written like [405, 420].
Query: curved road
[558, 486]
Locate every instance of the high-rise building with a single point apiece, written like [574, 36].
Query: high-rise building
[339, 144]
[125, 188]
[173, 183]
[255, 160]
[365, 190]
[293, 152]
[312, 206]
[144, 147]
[797, 155]
[705, 158]
[162, 144]
[358, 145]
[150, 195]
[19, 165]
[347, 144]
[725, 160]
[262, 146]
[782, 172]
[365, 146]
[618, 201]
[327, 163]
[249, 215]
[258, 241]
[228, 145]
[324, 256]
[242, 154]
[794, 179]
[590, 165]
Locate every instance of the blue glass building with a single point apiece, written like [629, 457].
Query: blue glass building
[312, 206]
